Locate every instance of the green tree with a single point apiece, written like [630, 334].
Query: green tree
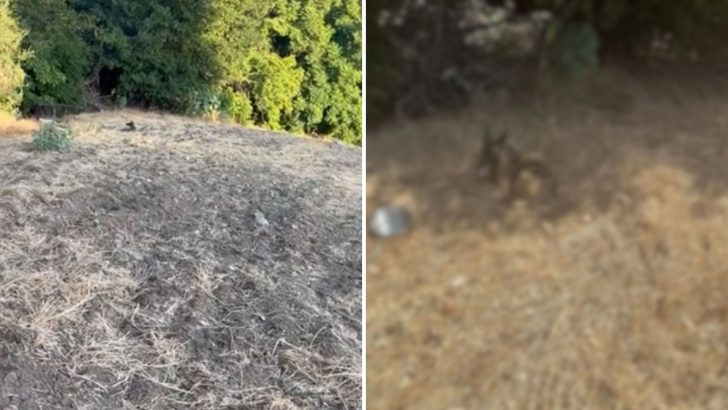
[284, 64]
[11, 55]
[60, 57]
[156, 47]
[300, 69]
[325, 38]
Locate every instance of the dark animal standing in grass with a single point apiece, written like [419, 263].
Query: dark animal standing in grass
[524, 178]
[130, 126]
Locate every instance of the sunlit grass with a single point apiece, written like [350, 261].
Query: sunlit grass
[10, 125]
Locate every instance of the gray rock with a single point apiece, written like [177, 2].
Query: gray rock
[260, 218]
[389, 221]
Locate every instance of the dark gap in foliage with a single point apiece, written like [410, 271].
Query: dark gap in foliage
[324, 127]
[109, 81]
[273, 13]
[281, 44]
[301, 60]
[257, 115]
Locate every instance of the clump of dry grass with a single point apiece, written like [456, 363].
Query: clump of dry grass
[134, 275]
[10, 125]
[616, 302]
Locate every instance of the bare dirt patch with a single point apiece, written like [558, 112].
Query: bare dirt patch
[615, 300]
[134, 272]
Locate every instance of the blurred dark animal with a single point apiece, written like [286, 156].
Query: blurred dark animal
[522, 178]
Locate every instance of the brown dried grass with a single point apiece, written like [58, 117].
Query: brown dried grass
[617, 301]
[12, 126]
[134, 275]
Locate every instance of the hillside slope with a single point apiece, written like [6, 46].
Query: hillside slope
[185, 265]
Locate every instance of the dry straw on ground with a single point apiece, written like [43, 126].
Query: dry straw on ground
[616, 300]
[133, 273]
[11, 126]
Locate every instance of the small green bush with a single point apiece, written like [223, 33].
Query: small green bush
[121, 102]
[52, 137]
[278, 83]
[237, 106]
[203, 103]
[575, 50]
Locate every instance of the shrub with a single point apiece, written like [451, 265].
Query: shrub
[204, 103]
[52, 137]
[575, 50]
[277, 84]
[121, 102]
[11, 72]
[237, 106]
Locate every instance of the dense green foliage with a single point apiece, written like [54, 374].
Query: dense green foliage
[52, 137]
[11, 73]
[60, 57]
[628, 20]
[576, 39]
[284, 64]
[583, 30]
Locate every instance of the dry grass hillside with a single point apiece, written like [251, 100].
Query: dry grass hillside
[614, 297]
[185, 265]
